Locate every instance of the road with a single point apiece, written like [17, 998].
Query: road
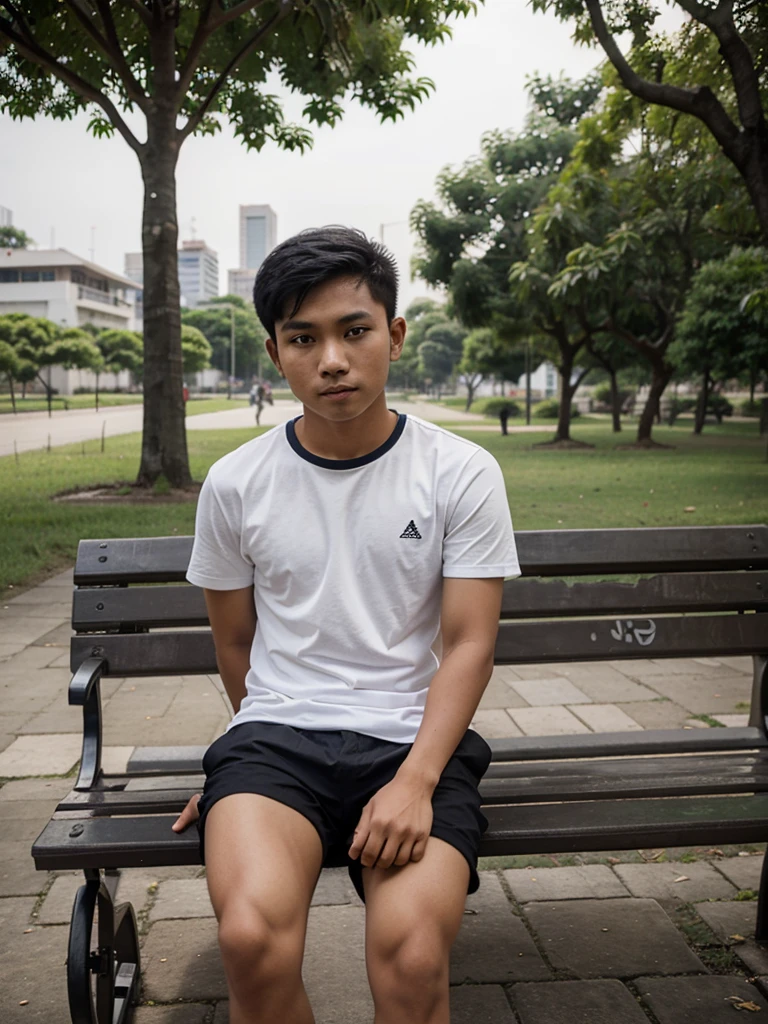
[33, 430]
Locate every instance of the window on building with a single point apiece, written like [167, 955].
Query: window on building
[30, 275]
[9, 276]
[47, 275]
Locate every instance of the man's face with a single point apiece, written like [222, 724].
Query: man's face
[336, 349]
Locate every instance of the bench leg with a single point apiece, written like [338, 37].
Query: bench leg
[761, 925]
[115, 964]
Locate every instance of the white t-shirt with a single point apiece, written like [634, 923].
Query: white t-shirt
[346, 559]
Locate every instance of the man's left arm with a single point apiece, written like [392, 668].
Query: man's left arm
[396, 822]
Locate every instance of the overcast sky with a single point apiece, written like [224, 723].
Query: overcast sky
[60, 182]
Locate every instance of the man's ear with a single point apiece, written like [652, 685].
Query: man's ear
[272, 350]
[397, 332]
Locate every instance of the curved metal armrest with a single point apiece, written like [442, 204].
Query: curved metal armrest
[84, 690]
[84, 680]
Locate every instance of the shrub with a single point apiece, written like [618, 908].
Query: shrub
[719, 406]
[549, 409]
[747, 408]
[602, 394]
[677, 406]
[495, 406]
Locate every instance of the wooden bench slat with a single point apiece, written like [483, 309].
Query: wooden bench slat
[503, 784]
[521, 828]
[541, 552]
[111, 608]
[644, 742]
[192, 652]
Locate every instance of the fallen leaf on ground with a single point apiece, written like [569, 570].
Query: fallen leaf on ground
[24, 1002]
[689, 508]
[744, 853]
[683, 878]
[737, 938]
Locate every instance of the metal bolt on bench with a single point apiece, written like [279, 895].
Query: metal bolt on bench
[703, 592]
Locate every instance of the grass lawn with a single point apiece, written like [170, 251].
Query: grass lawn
[38, 403]
[723, 474]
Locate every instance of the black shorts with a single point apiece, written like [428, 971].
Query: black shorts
[329, 777]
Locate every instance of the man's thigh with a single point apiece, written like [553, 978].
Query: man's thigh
[421, 900]
[261, 856]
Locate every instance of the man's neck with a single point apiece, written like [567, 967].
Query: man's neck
[350, 439]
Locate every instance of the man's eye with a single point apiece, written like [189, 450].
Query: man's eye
[356, 332]
[302, 339]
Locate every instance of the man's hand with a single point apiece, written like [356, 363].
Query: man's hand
[188, 816]
[395, 825]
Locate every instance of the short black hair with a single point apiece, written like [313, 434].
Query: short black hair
[315, 256]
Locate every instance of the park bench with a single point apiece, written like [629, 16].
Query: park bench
[663, 593]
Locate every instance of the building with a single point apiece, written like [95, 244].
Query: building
[69, 291]
[258, 236]
[198, 273]
[6, 217]
[134, 269]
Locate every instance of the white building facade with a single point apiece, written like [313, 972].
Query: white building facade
[198, 273]
[70, 291]
[258, 236]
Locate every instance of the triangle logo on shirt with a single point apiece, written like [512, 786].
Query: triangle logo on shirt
[410, 532]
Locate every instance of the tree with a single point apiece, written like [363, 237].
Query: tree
[185, 69]
[484, 355]
[14, 238]
[215, 322]
[714, 69]
[9, 365]
[32, 338]
[716, 337]
[195, 349]
[73, 349]
[120, 350]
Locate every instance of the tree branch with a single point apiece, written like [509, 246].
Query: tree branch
[250, 44]
[28, 47]
[236, 11]
[132, 85]
[141, 10]
[203, 32]
[701, 102]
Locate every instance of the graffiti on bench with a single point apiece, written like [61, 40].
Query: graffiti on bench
[630, 632]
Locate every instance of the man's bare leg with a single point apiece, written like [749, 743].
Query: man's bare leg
[413, 914]
[263, 860]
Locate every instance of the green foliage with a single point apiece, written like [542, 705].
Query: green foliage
[215, 323]
[496, 406]
[14, 238]
[549, 409]
[121, 350]
[195, 349]
[602, 394]
[749, 408]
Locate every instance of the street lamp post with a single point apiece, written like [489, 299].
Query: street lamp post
[231, 349]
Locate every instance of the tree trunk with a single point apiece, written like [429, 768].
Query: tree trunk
[97, 392]
[566, 394]
[661, 374]
[701, 405]
[615, 403]
[13, 393]
[755, 174]
[164, 440]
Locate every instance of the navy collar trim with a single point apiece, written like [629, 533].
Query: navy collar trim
[363, 460]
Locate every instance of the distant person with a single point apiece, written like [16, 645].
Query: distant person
[185, 394]
[374, 546]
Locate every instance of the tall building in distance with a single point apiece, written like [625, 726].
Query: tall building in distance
[198, 273]
[258, 236]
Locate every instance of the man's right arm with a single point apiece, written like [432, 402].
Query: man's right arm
[232, 615]
[233, 622]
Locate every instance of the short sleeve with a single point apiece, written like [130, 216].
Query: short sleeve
[217, 560]
[479, 541]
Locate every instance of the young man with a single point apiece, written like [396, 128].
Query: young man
[352, 563]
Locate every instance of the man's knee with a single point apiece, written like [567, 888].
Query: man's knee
[412, 966]
[257, 952]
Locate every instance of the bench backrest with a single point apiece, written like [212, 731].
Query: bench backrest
[701, 593]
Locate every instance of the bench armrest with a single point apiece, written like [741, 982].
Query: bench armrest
[84, 690]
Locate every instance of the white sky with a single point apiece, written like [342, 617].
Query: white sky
[57, 179]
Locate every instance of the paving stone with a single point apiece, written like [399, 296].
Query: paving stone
[493, 944]
[657, 714]
[47, 790]
[677, 666]
[221, 1016]
[33, 969]
[114, 760]
[705, 694]
[57, 908]
[611, 938]
[480, 1004]
[58, 637]
[31, 658]
[9, 650]
[505, 673]
[498, 694]
[547, 721]
[590, 881]
[189, 1013]
[55, 719]
[744, 872]
[42, 595]
[334, 966]
[6, 739]
[657, 881]
[729, 917]
[611, 689]
[548, 670]
[47, 609]
[545, 692]
[737, 664]
[182, 898]
[577, 1002]
[605, 718]
[138, 886]
[334, 888]
[18, 876]
[27, 629]
[29, 755]
[494, 724]
[733, 721]
[697, 1000]
[190, 967]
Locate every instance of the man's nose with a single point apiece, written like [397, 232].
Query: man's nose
[333, 357]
